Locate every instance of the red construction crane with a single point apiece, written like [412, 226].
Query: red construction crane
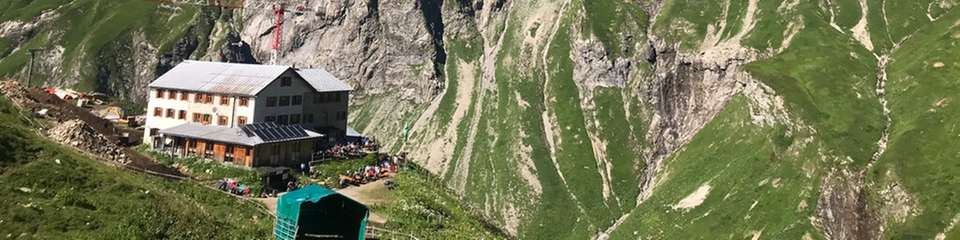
[279, 9]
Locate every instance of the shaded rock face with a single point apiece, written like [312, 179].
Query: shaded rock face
[236, 50]
[375, 46]
[125, 70]
[685, 91]
[181, 51]
[391, 53]
[593, 65]
[843, 211]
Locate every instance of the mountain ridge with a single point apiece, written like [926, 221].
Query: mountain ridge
[595, 119]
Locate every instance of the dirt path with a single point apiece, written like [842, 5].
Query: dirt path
[371, 194]
[374, 193]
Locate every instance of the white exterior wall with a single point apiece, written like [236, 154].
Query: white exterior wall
[232, 110]
[324, 113]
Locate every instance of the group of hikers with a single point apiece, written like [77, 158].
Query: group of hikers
[233, 186]
[352, 149]
[384, 167]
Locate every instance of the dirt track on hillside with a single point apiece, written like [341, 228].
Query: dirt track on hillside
[60, 111]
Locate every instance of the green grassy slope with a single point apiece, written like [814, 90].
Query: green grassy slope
[418, 206]
[56, 193]
[839, 101]
[755, 184]
[427, 210]
[84, 28]
[686, 21]
[922, 154]
[573, 150]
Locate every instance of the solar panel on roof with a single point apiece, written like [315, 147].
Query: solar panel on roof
[298, 131]
[286, 132]
[263, 135]
[274, 132]
[247, 130]
[293, 131]
[279, 132]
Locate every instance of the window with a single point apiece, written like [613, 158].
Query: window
[271, 101]
[332, 97]
[241, 120]
[228, 154]
[157, 112]
[270, 119]
[284, 101]
[196, 117]
[182, 115]
[308, 118]
[342, 115]
[336, 97]
[202, 98]
[296, 100]
[184, 96]
[224, 100]
[172, 94]
[159, 93]
[318, 98]
[244, 101]
[222, 120]
[295, 119]
[285, 81]
[154, 131]
[171, 113]
[206, 119]
[283, 119]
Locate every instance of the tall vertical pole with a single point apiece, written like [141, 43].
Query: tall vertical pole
[33, 54]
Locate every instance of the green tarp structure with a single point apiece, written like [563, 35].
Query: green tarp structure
[318, 212]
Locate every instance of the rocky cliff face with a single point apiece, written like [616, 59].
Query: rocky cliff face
[391, 52]
[610, 119]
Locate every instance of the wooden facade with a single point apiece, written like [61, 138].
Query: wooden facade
[290, 153]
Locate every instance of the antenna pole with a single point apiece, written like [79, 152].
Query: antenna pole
[33, 54]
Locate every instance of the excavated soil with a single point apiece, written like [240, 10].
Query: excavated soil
[96, 135]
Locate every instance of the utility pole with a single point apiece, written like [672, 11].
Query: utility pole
[33, 54]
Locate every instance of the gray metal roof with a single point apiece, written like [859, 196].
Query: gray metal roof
[234, 135]
[217, 77]
[323, 81]
[238, 78]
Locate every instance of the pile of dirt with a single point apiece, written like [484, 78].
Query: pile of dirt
[16, 93]
[81, 135]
